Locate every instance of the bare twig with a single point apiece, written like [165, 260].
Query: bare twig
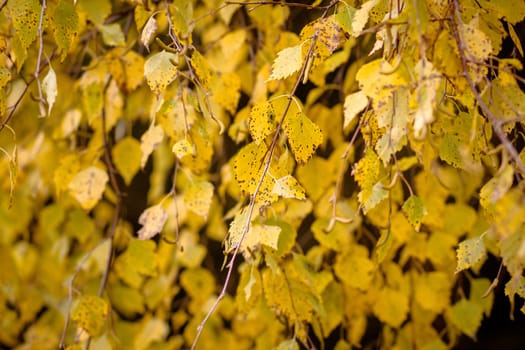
[337, 188]
[70, 284]
[251, 205]
[41, 99]
[280, 3]
[493, 119]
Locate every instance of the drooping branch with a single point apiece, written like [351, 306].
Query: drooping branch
[496, 123]
[251, 206]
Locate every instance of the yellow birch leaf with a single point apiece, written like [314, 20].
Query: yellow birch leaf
[96, 10]
[515, 39]
[149, 141]
[198, 197]
[139, 260]
[160, 70]
[414, 210]
[235, 232]
[354, 104]
[262, 121]
[466, 315]
[5, 76]
[355, 271]
[152, 220]
[25, 17]
[391, 307]
[88, 186]
[304, 136]
[496, 187]
[71, 122]
[431, 290]
[66, 26]
[126, 155]
[49, 87]
[148, 31]
[127, 68]
[330, 34]
[153, 330]
[261, 234]
[226, 90]
[183, 148]
[248, 165]
[469, 253]
[344, 15]
[477, 43]
[426, 92]
[112, 34]
[288, 187]
[290, 344]
[202, 68]
[360, 17]
[287, 62]
[90, 313]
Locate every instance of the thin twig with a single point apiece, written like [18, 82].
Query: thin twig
[118, 207]
[493, 119]
[280, 3]
[70, 284]
[41, 99]
[337, 188]
[251, 205]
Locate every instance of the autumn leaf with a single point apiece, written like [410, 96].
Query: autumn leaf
[288, 61]
[88, 186]
[160, 70]
[152, 220]
[304, 136]
[149, 141]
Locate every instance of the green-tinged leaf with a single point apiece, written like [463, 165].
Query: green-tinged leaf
[126, 300]
[96, 10]
[391, 307]
[152, 220]
[66, 26]
[198, 283]
[112, 35]
[414, 210]
[137, 261]
[5, 76]
[344, 16]
[288, 62]
[290, 344]
[88, 186]
[25, 16]
[90, 313]
[126, 155]
[469, 253]
[160, 70]
[466, 315]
